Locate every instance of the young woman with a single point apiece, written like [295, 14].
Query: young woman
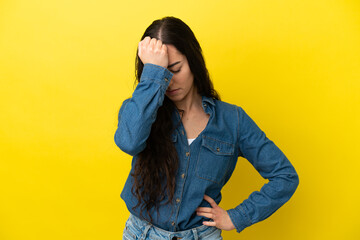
[185, 143]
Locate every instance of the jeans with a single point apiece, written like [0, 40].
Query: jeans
[135, 229]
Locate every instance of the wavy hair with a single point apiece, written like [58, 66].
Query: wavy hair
[156, 166]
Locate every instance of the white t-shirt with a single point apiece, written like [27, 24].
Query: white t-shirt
[190, 140]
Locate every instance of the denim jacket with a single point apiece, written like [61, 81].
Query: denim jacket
[208, 162]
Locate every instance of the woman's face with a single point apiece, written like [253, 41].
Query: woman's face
[182, 82]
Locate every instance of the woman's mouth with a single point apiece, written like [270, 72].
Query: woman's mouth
[172, 91]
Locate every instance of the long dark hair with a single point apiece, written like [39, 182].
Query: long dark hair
[156, 166]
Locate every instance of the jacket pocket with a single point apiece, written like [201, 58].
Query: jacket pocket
[214, 159]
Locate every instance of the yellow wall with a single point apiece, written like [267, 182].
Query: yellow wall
[66, 66]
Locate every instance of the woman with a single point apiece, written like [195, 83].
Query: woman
[185, 143]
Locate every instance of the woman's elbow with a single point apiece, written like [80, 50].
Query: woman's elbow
[128, 145]
[292, 181]
[296, 181]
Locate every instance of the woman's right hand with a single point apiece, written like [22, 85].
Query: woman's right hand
[153, 51]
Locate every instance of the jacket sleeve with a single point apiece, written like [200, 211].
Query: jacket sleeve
[138, 113]
[272, 164]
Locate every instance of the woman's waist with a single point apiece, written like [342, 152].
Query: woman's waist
[140, 223]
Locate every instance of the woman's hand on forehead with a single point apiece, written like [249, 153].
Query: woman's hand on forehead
[153, 51]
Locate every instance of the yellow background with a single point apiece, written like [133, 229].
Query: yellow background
[66, 66]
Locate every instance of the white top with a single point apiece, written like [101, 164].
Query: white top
[190, 140]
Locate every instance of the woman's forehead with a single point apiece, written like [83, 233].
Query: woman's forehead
[173, 54]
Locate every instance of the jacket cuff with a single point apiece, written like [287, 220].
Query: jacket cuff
[239, 218]
[156, 73]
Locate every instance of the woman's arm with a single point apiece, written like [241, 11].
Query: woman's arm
[273, 165]
[138, 113]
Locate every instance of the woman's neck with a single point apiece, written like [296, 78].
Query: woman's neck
[193, 101]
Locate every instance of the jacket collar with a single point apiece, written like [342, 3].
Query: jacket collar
[208, 105]
[208, 100]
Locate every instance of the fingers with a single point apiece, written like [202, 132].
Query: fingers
[219, 217]
[152, 44]
[146, 40]
[164, 48]
[212, 224]
[208, 215]
[158, 45]
[143, 44]
[204, 209]
[152, 50]
[210, 200]
[208, 212]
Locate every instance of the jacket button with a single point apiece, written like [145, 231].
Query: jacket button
[204, 104]
[187, 154]
[183, 175]
[173, 223]
[218, 149]
[177, 200]
[166, 80]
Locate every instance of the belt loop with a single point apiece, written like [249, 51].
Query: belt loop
[194, 230]
[143, 236]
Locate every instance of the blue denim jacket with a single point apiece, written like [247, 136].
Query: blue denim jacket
[207, 163]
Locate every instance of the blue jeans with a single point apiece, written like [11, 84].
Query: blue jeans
[135, 229]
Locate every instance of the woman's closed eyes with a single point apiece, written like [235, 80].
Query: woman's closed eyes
[173, 71]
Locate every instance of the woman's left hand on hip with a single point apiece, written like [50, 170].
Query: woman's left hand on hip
[220, 217]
